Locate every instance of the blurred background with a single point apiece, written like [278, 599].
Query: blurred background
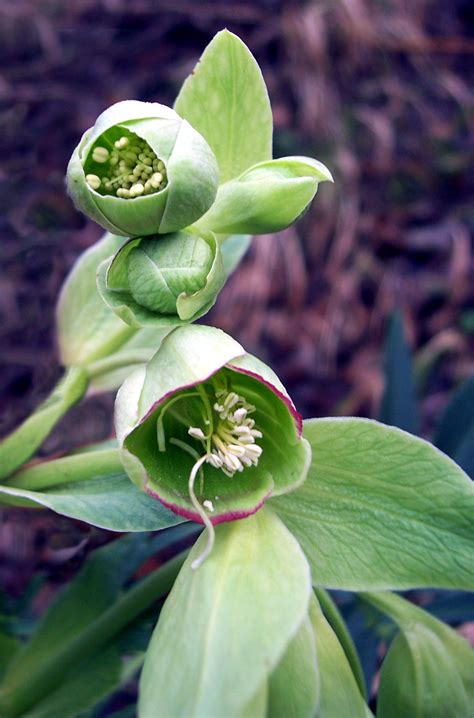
[376, 89]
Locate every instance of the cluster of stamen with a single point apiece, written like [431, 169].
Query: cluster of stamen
[232, 445]
[130, 169]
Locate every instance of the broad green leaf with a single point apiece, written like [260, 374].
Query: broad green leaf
[381, 509]
[91, 681]
[407, 615]
[226, 625]
[455, 432]
[233, 250]
[94, 489]
[8, 648]
[21, 444]
[87, 329]
[225, 99]
[266, 198]
[339, 627]
[418, 679]
[80, 634]
[339, 693]
[399, 404]
[293, 687]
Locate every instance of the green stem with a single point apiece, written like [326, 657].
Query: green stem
[122, 359]
[68, 468]
[21, 444]
[339, 627]
[16, 699]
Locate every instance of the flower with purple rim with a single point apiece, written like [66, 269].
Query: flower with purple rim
[208, 429]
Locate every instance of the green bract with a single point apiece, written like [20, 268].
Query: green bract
[163, 280]
[266, 197]
[142, 170]
[203, 410]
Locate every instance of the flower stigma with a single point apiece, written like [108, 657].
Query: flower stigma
[226, 435]
[127, 167]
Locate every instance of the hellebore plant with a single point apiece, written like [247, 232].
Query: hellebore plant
[206, 434]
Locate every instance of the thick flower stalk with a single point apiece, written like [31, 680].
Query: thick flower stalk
[142, 169]
[208, 429]
[164, 280]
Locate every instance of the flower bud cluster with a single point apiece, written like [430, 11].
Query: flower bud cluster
[129, 169]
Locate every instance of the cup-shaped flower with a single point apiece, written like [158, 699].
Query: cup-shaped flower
[208, 429]
[141, 170]
[164, 280]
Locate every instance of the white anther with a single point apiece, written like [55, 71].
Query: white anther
[100, 154]
[236, 450]
[256, 433]
[121, 143]
[136, 189]
[240, 414]
[196, 432]
[208, 505]
[231, 400]
[253, 450]
[156, 179]
[93, 181]
[241, 430]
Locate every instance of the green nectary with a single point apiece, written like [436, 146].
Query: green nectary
[142, 170]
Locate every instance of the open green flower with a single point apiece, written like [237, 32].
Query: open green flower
[208, 429]
[142, 169]
[164, 280]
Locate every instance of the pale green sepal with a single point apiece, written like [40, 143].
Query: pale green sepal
[21, 444]
[86, 327]
[254, 587]
[293, 687]
[225, 99]
[395, 511]
[257, 707]
[266, 198]
[407, 615]
[339, 693]
[186, 364]
[418, 679]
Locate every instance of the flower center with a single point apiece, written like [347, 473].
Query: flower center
[226, 434]
[231, 445]
[127, 168]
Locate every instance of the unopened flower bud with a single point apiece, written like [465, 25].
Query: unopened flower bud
[163, 280]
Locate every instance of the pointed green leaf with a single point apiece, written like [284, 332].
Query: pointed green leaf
[407, 615]
[254, 587]
[266, 198]
[339, 693]
[225, 99]
[399, 405]
[87, 329]
[338, 625]
[293, 687]
[381, 509]
[21, 444]
[418, 679]
[91, 488]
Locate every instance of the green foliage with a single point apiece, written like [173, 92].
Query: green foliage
[253, 589]
[381, 509]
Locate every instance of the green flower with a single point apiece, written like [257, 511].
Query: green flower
[163, 280]
[142, 170]
[208, 429]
